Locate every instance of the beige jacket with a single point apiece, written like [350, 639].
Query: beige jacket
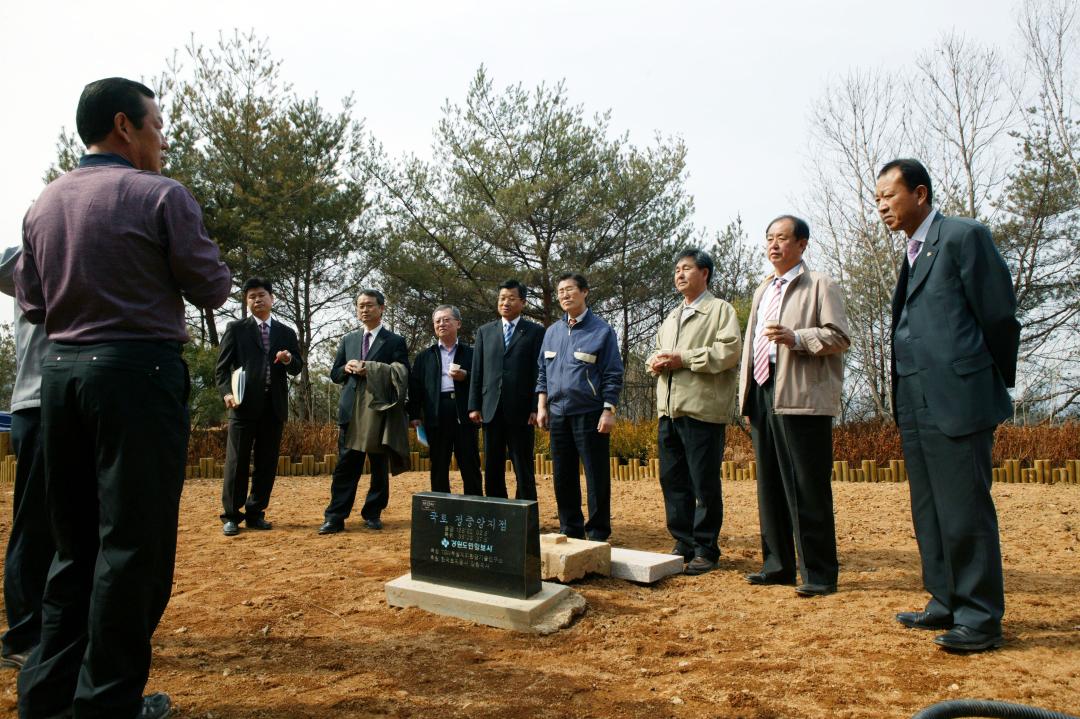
[704, 387]
[808, 380]
[379, 423]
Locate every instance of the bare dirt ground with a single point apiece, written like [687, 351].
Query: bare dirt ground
[288, 624]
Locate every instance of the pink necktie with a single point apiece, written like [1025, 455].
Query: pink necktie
[761, 344]
[913, 248]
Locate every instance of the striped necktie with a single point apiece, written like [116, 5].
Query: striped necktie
[264, 337]
[509, 333]
[761, 345]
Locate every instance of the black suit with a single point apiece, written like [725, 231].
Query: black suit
[445, 416]
[503, 390]
[386, 347]
[955, 338]
[260, 418]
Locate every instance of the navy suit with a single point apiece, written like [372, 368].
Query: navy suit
[260, 419]
[503, 390]
[955, 338]
[389, 348]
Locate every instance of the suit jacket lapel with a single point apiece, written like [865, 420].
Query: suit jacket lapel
[926, 257]
[375, 343]
[254, 334]
[899, 294]
[435, 372]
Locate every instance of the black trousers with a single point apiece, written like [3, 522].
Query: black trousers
[795, 506]
[519, 439]
[115, 432]
[574, 439]
[690, 455]
[346, 477]
[452, 437]
[30, 547]
[953, 513]
[264, 436]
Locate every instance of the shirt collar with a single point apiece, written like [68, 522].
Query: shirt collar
[100, 159]
[697, 300]
[512, 322]
[580, 318]
[448, 350]
[374, 331]
[924, 228]
[269, 320]
[790, 274]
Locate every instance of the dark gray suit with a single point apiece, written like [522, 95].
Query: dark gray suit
[503, 390]
[386, 347]
[955, 338]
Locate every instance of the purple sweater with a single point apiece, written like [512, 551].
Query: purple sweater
[110, 253]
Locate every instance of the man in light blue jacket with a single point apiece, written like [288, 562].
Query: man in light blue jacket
[578, 383]
[30, 547]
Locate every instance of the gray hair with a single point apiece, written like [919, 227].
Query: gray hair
[453, 310]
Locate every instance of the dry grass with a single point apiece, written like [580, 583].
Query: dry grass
[879, 441]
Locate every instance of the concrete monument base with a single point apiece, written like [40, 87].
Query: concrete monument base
[568, 559]
[645, 567]
[549, 610]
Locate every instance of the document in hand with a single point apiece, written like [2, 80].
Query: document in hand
[239, 378]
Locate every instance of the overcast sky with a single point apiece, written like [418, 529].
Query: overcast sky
[733, 79]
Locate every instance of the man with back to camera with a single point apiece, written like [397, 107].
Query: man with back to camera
[580, 375]
[791, 380]
[267, 350]
[439, 400]
[695, 365]
[110, 252]
[955, 339]
[371, 344]
[30, 547]
[502, 395]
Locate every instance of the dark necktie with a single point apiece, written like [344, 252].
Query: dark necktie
[367, 346]
[264, 337]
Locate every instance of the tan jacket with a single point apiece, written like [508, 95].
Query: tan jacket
[704, 388]
[379, 423]
[808, 380]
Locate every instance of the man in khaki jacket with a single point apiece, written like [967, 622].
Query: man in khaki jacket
[697, 351]
[792, 374]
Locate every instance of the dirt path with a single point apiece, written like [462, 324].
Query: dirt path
[287, 624]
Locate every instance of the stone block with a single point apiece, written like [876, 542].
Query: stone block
[568, 559]
[645, 567]
[549, 610]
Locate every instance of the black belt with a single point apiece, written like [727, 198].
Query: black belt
[451, 395]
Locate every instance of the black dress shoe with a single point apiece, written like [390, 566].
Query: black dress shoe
[15, 660]
[155, 706]
[923, 620]
[686, 556]
[230, 529]
[815, 590]
[259, 523]
[699, 565]
[761, 578]
[331, 527]
[375, 524]
[966, 639]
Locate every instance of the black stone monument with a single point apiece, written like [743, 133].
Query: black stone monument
[485, 544]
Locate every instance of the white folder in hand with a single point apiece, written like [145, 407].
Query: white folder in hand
[239, 378]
